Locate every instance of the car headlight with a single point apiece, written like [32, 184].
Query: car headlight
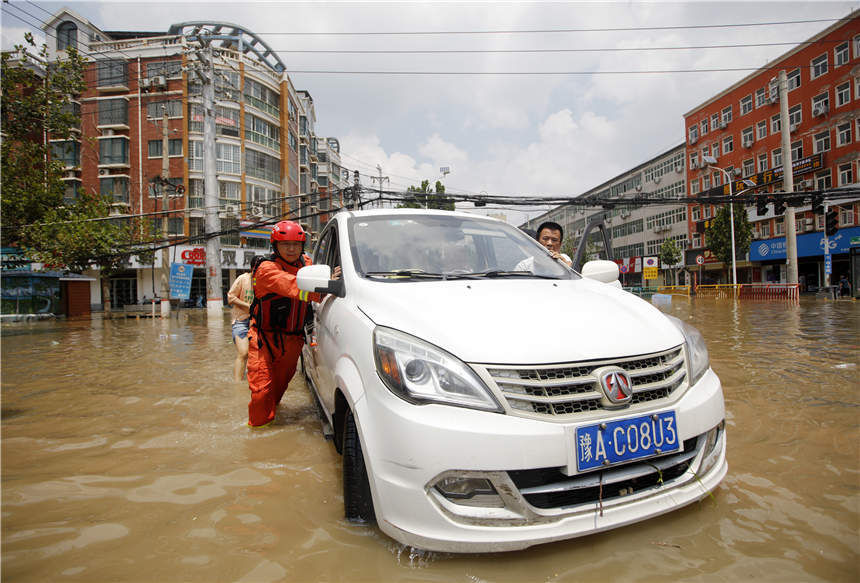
[419, 372]
[697, 352]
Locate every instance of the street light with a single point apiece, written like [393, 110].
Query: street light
[711, 162]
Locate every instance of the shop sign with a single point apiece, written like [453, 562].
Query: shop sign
[195, 256]
[808, 245]
[180, 281]
[798, 168]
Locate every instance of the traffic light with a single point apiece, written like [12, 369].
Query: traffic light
[831, 223]
[817, 205]
[778, 206]
[761, 205]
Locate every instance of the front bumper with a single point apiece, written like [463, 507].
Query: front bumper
[408, 448]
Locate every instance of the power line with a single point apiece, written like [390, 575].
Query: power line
[549, 30]
[530, 73]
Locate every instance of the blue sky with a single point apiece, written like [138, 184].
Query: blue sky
[550, 135]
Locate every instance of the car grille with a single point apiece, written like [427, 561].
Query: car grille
[550, 488]
[560, 391]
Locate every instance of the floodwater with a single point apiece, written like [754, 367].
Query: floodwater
[125, 457]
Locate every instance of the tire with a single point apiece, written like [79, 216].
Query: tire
[357, 500]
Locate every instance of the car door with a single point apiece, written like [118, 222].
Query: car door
[324, 349]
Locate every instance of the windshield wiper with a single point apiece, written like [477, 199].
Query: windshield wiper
[406, 273]
[493, 273]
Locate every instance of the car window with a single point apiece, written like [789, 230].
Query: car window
[321, 252]
[445, 245]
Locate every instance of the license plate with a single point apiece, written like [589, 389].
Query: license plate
[614, 442]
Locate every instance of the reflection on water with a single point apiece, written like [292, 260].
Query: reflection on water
[126, 458]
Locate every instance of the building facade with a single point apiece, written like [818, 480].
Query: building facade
[741, 128]
[145, 89]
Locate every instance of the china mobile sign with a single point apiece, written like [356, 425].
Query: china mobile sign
[808, 245]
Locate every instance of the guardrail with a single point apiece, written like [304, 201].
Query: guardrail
[770, 291]
[717, 290]
[674, 290]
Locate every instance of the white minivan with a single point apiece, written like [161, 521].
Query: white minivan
[480, 406]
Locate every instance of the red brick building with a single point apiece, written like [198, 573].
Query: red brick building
[740, 127]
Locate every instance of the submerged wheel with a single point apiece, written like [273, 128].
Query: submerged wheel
[357, 501]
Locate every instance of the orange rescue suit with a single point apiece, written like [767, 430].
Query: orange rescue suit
[275, 336]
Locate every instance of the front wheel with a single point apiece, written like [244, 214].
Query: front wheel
[357, 500]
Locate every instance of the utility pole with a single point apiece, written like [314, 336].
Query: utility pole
[165, 252]
[787, 180]
[355, 190]
[214, 299]
[380, 179]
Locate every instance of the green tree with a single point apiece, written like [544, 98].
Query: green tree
[718, 237]
[425, 197]
[670, 254]
[36, 104]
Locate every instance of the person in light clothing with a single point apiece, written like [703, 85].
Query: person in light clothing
[240, 296]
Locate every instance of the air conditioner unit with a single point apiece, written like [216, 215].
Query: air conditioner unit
[638, 188]
[103, 172]
[693, 140]
[694, 166]
[625, 214]
[737, 171]
[159, 81]
[107, 132]
[748, 143]
[806, 184]
[679, 169]
[819, 110]
[69, 174]
[792, 128]
[145, 83]
[229, 208]
[724, 124]
[773, 99]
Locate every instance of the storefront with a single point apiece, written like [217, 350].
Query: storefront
[769, 256]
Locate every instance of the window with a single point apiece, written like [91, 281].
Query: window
[294, 143]
[761, 129]
[228, 159]
[695, 213]
[843, 134]
[840, 55]
[749, 167]
[228, 190]
[704, 126]
[846, 174]
[765, 230]
[857, 46]
[796, 150]
[113, 151]
[262, 132]
[818, 66]
[780, 226]
[694, 133]
[760, 97]
[195, 156]
[167, 69]
[70, 190]
[226, 121]
[821, 142]
[694, 187]
[747, 137]
[746, 105]
[762, 162]
[230, 228]
[195, 198]
[112, 72]
[843, 94]
[822, 180]
[774, 124]
[115, 188]
[113, 112]
[727, 115]
[707, 212]
[155, 109]
[68, 152]
[263, 166]
[261, 97]
[728, 144]
[694, 160]
[715, 121]
[776, 158]
[174, 148]
[795, 115]
[67, 36]
[716, 178]
[715, 150]
[821, 104]
[706, 150]
[157, 190]
[846, 215]
[794, 79]
[706, 183]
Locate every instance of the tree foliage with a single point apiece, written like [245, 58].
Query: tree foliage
[670, 254]
[718, 237]
[36, 106]
[425, 197]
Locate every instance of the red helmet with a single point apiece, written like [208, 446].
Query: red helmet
[288, 231]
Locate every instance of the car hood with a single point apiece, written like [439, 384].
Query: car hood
[520, 321]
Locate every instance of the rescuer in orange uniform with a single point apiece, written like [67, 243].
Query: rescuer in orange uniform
[278, 313]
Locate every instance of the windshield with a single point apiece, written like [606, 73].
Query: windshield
[426, 247]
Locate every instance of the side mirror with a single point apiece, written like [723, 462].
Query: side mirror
[602, 270]
[317, 278]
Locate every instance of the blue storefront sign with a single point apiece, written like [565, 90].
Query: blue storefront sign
[828, 264]
[808, 245]
[180, 280]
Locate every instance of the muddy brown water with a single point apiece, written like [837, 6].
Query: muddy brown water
[125, 457]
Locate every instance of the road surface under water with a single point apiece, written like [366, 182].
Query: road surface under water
[125, 457]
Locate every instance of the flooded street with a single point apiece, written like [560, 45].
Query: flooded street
[125, 457]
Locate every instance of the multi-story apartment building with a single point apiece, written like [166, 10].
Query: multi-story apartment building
[740, 127]
[266, 151]
[636, 231]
